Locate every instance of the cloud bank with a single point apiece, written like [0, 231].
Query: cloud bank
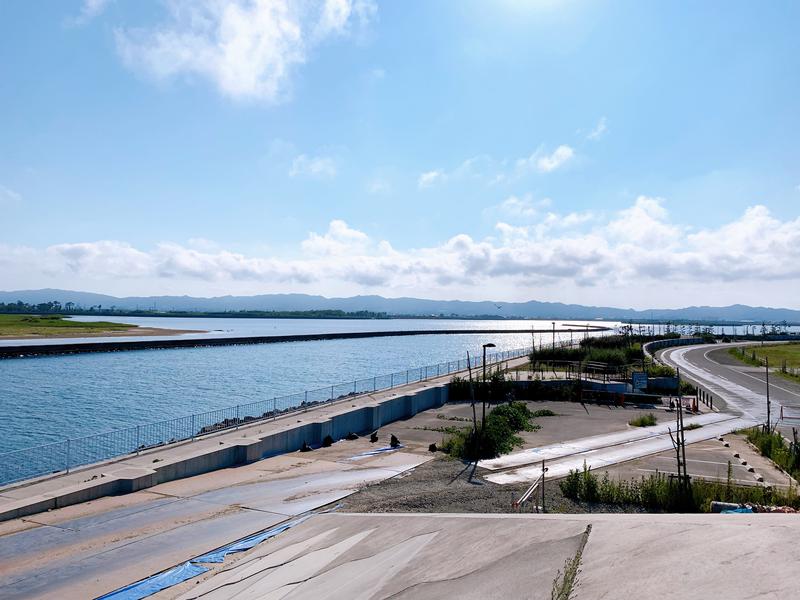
[635, 248]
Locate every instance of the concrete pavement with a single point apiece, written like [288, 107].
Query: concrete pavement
[599, 452]
[89, 549]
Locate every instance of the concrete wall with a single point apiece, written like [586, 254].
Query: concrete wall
[651, 348]
[232, 452]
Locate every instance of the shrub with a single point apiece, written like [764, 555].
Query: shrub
[660, 492]
[659, 370]
[773, 446]
[459, 390]
[542, 412]
[647, 420]
[495, 437]
[517, 414]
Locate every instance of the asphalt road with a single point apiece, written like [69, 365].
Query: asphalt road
[741, 387]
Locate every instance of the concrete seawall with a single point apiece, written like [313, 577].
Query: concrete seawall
[225, 450]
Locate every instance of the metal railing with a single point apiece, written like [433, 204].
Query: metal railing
[64, 455]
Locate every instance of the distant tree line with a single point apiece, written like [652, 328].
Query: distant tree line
[70, 308]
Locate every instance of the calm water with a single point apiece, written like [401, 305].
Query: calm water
[46, 399]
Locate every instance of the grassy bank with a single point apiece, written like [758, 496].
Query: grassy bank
[784, 359]
[659, 492]
[54, 326]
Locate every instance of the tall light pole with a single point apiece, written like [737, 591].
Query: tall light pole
[485, 387]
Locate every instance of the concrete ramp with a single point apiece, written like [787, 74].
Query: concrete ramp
[479, 556]
[401, 556]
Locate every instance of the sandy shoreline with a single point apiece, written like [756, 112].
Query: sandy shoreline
[132, 332]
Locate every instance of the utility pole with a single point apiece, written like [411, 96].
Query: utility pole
[766, 374]
[679, 441]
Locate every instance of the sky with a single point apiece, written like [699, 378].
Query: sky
[630, 153]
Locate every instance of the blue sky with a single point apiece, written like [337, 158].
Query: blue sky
[628, 153]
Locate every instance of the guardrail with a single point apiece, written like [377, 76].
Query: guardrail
[64, 455]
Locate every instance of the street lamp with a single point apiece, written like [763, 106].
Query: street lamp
[485, 388]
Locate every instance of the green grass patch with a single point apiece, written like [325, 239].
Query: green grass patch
[692, 426]
[53, 325]
[660, 492]
[647, 420]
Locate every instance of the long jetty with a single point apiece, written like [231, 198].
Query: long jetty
[29, 350]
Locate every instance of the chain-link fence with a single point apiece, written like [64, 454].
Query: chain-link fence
[68, 454]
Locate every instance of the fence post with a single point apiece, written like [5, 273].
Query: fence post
[375, 384]
[407, 376]
[67, 457]
[331, 392]
[138, 441]
[193, 427]
[354, 387]
[237, 417]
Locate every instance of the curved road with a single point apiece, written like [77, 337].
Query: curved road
[741, 387]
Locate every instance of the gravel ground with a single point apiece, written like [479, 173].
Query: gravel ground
[444, 486]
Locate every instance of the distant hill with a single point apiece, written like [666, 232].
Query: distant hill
[405, 306]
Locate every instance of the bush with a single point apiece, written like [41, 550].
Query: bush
[542, 412]
[495, 437]
[659, 370]
[498, 437]
[517, 414]
[459, 390]
[647, 420]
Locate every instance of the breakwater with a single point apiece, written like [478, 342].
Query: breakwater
[29, 350]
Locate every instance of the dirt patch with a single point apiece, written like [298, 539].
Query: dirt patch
[449, 486]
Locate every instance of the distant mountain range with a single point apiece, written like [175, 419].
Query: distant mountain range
[405, 306]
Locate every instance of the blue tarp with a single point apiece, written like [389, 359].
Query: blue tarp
[156, 583]
[218, 555]
[736, 511]
[375, 452]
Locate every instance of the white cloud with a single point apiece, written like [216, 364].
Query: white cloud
[599, 130]
[490, 170]
[546, 163]
[9, 196]
[322, 167]
[626, 253]
[430, 178]
[521, 207]
[340, 239]
[247, 48]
